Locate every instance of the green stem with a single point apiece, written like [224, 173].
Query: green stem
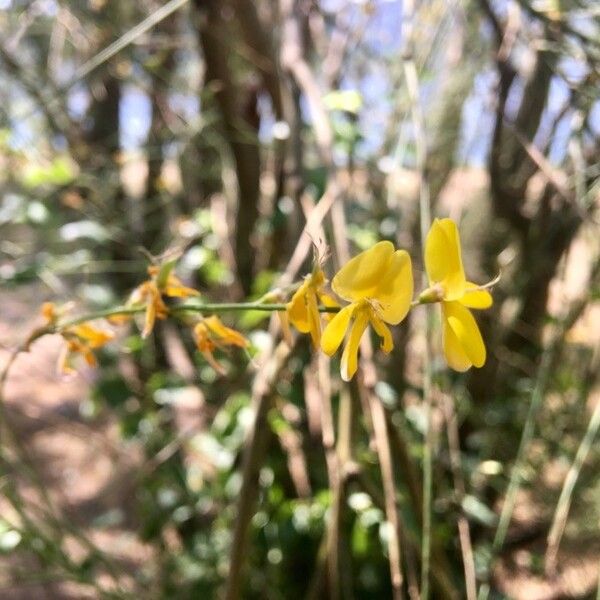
[180, 308]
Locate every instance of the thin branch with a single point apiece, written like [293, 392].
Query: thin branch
[254, 451]
[111, 50]
[292, 59]
[561, 513]
[464, 533]
[382, 442]
[412, 86]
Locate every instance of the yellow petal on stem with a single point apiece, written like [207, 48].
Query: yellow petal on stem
[336, 330]
[212, 361]
[119, 319]
[314, 318]
[383, 331]
[453, 351]
[349, 363]
[227, 335]
[90, 359]
[465, 332]
[49, 312]
[361, 275]
[443, 261]
[329, 302]
[176, 289]
[395, 289]
[200, 333]
[297, 310]
[149, 319]
[476, 298]
[93, 336]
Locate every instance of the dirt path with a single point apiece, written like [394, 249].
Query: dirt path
[79, 461]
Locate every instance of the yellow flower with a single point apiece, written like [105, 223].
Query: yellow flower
[210, 333]
[49, 312]
[150, 293]
[303, 308]
[378, 283]
[80, 339]
[463, 345]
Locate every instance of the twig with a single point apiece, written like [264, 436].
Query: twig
[382, 442]
[112, 49]
[540, 161]
[337, 578]
[292, 59]
[459, 485]
[412, 85]
[254, 450]
[561, 513]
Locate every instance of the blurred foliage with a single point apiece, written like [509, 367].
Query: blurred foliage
[203, 135]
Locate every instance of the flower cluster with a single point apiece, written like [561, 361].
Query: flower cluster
[81, 338]
[210, 333]
[150, 294]
[378, 284]
[463, 345]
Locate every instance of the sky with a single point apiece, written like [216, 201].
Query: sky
[382, 39]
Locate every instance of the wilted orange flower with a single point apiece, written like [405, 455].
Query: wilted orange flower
[210, 334]
[150, 292]
[82, 339]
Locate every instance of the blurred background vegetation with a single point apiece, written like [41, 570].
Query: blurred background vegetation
[219, 127]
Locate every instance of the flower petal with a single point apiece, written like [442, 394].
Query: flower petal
[89, 357]
[212, 361]
[443, 261]
[314, 318]
[297, 310]
[94, 337]
[476, 298]
[336, 330]
[383, 331]
[461, 331]
[149, 319]
[361, 275]
[349, 364]
[227, 335]
[395, 289]
[179, 291]
[453, 351]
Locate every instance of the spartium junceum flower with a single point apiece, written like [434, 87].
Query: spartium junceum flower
[378, 284]
[303, 308]
[162, 282]
[81, 339]
[462, 341]
[210, 333]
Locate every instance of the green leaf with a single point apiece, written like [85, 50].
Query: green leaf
[347, 100]
[60, 171]
[163, 274]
